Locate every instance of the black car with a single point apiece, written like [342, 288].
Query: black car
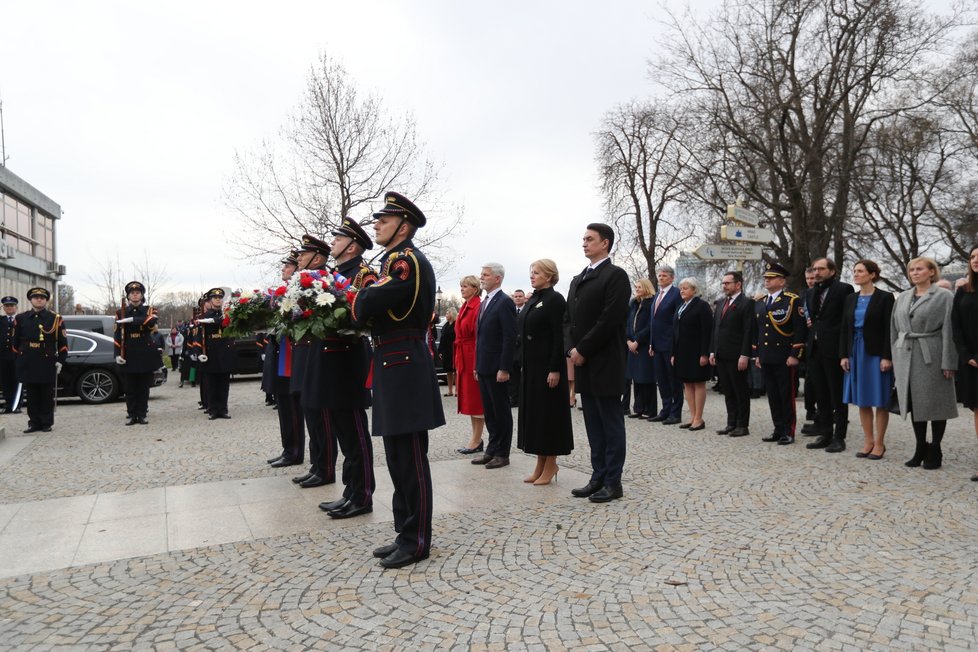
[90, 372]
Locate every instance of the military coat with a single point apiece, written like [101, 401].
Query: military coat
[136, 341]
[40, 341]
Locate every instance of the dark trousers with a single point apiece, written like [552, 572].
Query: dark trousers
[779, 383]
[202, 385]
[175, 362]
[322, 443]
[291, 426]
[736, 392]
[499, 415]
[40, 404]
[218, 388]
[8, 383]
[605, 425]
[514, 384]
[670, 389]
[826, 375]
[350, 428]
[809, 396]
[137, 387]
[407, 462]
[645, 400]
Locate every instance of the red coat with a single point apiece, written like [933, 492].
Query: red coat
[469, 398]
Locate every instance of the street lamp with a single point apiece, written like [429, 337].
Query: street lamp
[438, 296]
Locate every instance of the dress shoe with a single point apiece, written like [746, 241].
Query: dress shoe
[785, 440]
[934, 457]
[607, 494]
[351, 509]
[315, 481]
[274, 459]
[132, 421]
[384, 551]
[702, 426]
[974, 478]
[219, 416]
[873, 456]
[821, 442]
[142, 421]
[299, 479]
[671, 421]
[590, 488]
[656, 418]
[399, 559]
[482, 459]
[837, 446]
[861, 454]
[684, 426]
[740, 432]
[636, 415]
[497, 463]
[726, 430]
[334, 505]
[773, 437]
[468, 451]
[46, 429]
[809, 429]
[285, 461]
[31, 429]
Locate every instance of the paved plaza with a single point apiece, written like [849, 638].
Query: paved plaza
[177, 535]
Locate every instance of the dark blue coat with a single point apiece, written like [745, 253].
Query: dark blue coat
[495, 335]
[661, 326]
[640, 367]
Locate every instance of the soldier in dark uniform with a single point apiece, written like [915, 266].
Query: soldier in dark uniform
[407, 402]
[216, 356]
[263, 342]
[780, 344]
[41, 347]
[340, 375]
[136, 351]
[305, 359]
[277, 376]
[8, 368]
[194, 341]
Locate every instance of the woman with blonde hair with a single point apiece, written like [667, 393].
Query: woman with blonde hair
[544, 423]
[639, 369]
[965, 318]
[469, 397]
[924, 359]
[692, 334]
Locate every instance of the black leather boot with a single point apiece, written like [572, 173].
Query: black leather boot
[934, 456]
[918, 455]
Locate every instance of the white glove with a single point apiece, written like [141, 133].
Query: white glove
[202, 358]
[206, 320]
[262, 357]
[57, 368]
[127, 320]
[193, 357]
[120, 360]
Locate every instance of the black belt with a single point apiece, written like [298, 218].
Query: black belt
[400, 336]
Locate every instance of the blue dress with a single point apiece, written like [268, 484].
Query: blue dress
[864, 384]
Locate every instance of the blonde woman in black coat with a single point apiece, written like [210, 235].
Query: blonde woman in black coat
[544, 423]
[692, 331]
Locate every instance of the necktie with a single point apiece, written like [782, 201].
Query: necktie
[726, 308]
[587, 270]
[770, 300]
[658, 300]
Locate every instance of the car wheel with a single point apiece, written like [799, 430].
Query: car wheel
[98, 386]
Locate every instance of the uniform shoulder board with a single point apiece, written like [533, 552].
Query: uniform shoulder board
[790, 295]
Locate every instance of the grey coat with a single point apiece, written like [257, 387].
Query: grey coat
[923, 346]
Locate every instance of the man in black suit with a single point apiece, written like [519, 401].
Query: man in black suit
[733, 332]
[8, 366]
[495, 340]
[826, 302]
[594, 338]
[407, 401]
[664, 306]
[519, 300]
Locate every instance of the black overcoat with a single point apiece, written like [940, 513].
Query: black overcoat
[594, 324]
[691, 335]
[40, 341]
[218, 348]
[135, 341]
[544, 423]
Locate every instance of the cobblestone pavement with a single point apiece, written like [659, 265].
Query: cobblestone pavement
[719, 543]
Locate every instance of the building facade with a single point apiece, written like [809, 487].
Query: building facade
[28, 255]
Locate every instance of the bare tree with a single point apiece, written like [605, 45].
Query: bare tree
[66, 298]
[109, 281]
[335, 156]
[643, 165]
[791, 90]
[152, 275]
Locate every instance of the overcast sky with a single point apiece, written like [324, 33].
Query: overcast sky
[128, 115]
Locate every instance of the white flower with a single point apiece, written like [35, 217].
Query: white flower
[325, 299]
[308, 293]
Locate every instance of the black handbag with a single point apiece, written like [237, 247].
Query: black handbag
[894, 401]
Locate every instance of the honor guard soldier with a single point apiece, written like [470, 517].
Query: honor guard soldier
[313, 255]
[8, 368]
[192, 344]
[41, 347]
[407, 401]
[136, 351]
[216, 355]
[340, 375]
[781, 334]
[276, 377]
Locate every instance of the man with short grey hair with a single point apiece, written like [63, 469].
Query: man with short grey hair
[664, 306]
[495, 340]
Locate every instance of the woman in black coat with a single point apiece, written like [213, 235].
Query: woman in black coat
[544, 423]
[446, 349]
[639, 368]
[964, 316]
[692, 332]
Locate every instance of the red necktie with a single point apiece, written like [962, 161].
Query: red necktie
[726, 308]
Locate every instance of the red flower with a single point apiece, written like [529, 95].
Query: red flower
[305, 281]
[242, 301]
[225, 322]
[280, 291]
[306, 314]
[350, 294]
